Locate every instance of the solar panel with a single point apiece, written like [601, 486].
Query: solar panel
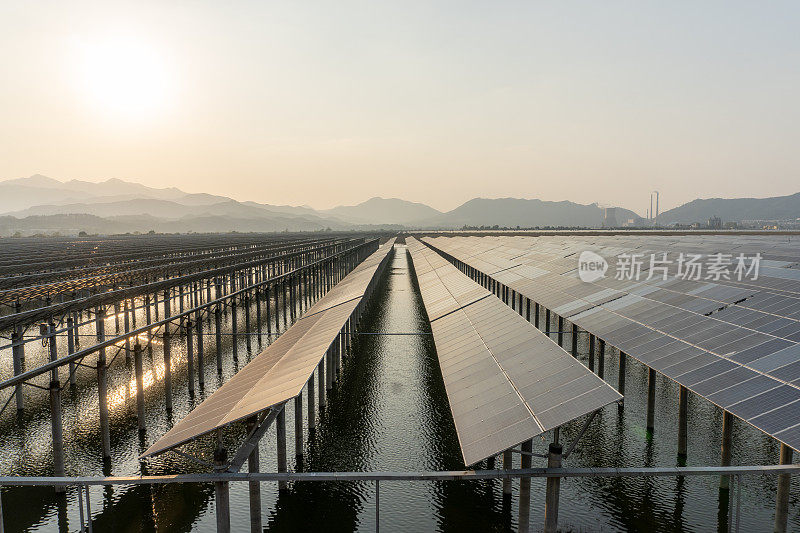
[725, 339]
[505, 380]
[279, 373]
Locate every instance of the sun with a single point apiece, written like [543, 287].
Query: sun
[123, 77]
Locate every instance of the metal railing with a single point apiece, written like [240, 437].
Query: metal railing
[82, 483]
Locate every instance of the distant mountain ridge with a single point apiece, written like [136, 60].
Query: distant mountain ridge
[390, 210]
[39, 204]
[44, 196]
[516, 212]
[43, 204]
[111, 187]
[734, 209]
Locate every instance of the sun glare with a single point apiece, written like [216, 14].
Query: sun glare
[123, 77]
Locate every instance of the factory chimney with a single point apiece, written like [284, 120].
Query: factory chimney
[655, 217]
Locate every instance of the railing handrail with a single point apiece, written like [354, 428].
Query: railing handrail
[445, 475]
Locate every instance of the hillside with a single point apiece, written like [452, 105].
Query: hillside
[513, 212]
[383, 211]
[734, 209]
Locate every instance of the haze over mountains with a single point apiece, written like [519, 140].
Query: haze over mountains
[40, 204]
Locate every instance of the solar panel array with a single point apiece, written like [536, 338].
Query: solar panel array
[733, 341]
[506, 381]
[280, 372]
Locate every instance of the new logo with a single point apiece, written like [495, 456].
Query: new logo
[591, 266]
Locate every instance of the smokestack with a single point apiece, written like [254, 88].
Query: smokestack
[656, 204]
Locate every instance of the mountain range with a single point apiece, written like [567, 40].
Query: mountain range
[734, 209]
[40, 204]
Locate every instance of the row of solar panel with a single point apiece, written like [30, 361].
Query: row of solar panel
[784, 265]
[760, 312]
[505, 380]
[777, 272]
[750, 371]
[280, 372]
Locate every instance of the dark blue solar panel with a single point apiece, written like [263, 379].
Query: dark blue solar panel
[766, 401]
[742, 391]
[778, 359]
[723, 381]
[756, 352]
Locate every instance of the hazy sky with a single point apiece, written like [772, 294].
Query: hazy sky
[323, 103]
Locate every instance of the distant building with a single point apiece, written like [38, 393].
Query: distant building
[610, 217]
[715, 223]
[783, 224]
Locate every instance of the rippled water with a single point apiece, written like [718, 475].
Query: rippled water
[389, 412]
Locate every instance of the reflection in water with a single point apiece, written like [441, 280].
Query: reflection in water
[389, 412]
[119, 395]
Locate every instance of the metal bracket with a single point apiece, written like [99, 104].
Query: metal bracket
[583, 430]
[35, 385]
[253, 439]
[532, 454]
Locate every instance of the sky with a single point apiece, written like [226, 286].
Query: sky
[329, 103]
